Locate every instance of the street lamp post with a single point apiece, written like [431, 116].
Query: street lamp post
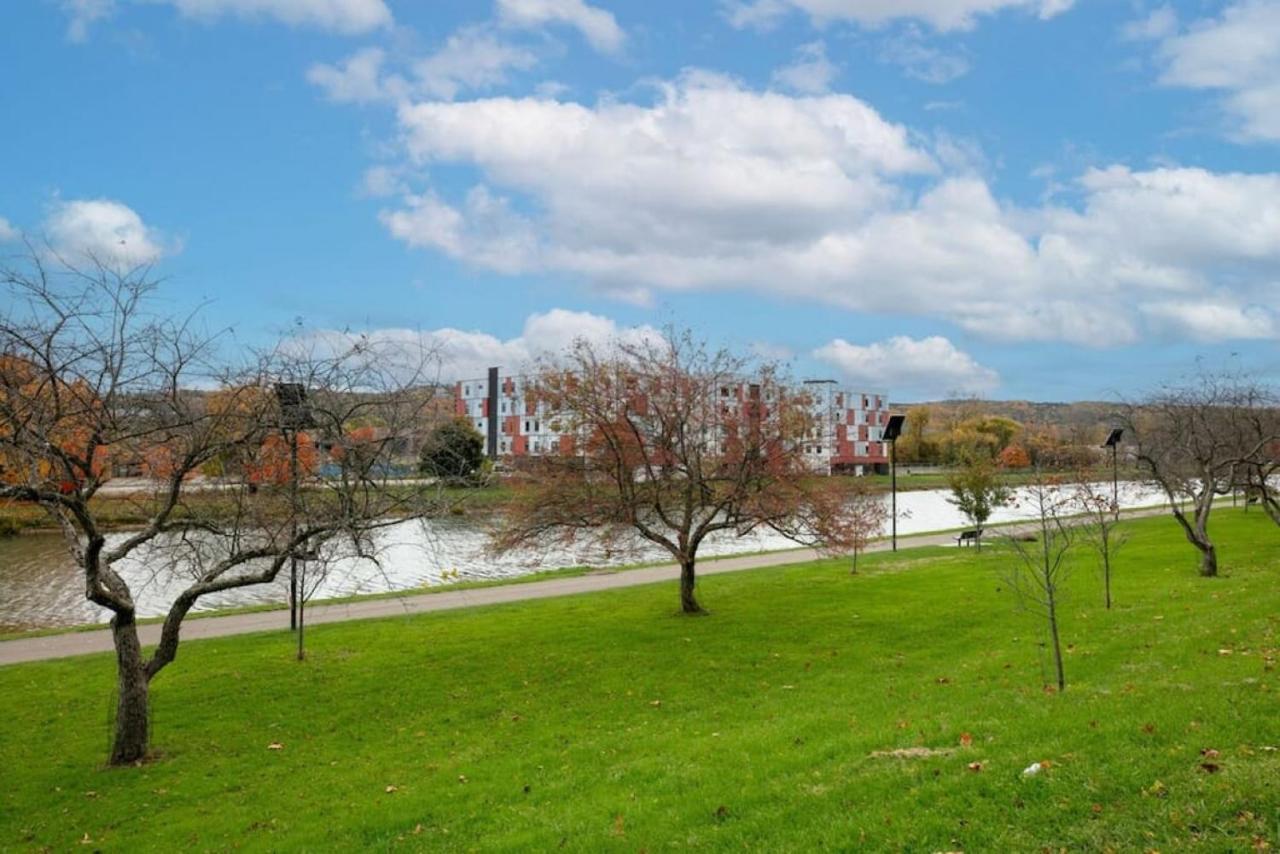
[295, 415]
[892, 430]
[1113, 442]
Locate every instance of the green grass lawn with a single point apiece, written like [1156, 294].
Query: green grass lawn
[607, 722]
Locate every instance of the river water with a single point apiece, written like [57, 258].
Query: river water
[40, 587]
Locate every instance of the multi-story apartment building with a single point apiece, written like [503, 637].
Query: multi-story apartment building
[847, 437]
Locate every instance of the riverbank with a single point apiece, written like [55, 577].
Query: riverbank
[119, 510]
[813, 710]
[409, 596]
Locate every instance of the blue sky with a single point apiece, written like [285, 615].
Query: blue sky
[1040, 199]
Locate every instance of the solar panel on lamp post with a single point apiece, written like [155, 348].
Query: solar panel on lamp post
[1113, 442]
[892, 430]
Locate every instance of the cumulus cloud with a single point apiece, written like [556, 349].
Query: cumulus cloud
[1209, 321]
[467, 354]
[811, 73]
[102, 229]
[7, 231]
[939, 14]
[358, 79]
[347, 17]
[474, 58]
[597, 26]
[925, 367]
[1236, 54]
[716, 186]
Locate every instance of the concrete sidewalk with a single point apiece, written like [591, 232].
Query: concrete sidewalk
[84, 643]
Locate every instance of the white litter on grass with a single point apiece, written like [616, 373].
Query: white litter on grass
[1031, 770]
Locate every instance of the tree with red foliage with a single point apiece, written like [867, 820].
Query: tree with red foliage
[673, 444]
[1014, 457]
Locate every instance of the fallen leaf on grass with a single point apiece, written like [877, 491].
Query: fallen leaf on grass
[656, 704]
[275, 745]
[975, 767]
[391, 789]
[965, 739]
[1209, 753]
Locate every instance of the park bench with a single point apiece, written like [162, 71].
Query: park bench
[967, 538]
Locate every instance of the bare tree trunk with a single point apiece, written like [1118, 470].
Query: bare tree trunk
[1106, 578]
[133, 724]
[1208, 559]
[1057, 644]
[688, 603]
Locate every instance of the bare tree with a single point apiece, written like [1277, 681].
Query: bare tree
[1256, 422]
[673, 443]
[1040, 569]
[865, 513]
[1193, 438]
[91, 380]
[1101, 524]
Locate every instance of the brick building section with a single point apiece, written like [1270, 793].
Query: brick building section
[846, 439]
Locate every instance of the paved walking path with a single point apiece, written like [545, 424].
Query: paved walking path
[82, 643]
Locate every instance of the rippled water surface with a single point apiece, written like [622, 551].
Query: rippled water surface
[39, 585]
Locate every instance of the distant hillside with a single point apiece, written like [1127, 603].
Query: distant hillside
[1077, 416]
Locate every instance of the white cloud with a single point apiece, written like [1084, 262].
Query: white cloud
[925, 367]
[811, 73]
[467, 354]
[597, 26]
[713, 186]
[1237, 54]
[82, 14]
[102, 229]
[1160, 23]
[940, 14]
[1207, 321]
[922, 61]
[7, 231]
[471, 58]
[358, 79]
[347, 17]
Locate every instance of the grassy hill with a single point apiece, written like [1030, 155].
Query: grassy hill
[813, 710]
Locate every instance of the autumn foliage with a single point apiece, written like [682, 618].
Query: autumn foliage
[271, 464]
